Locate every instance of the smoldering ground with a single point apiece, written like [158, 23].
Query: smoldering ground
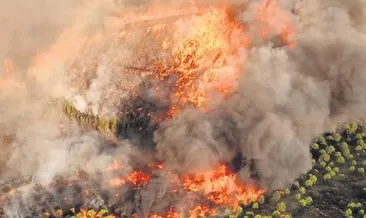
[285, 95]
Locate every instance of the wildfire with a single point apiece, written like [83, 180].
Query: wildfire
[218, 188]
[136, 178]
[205, 60]
[222, 187]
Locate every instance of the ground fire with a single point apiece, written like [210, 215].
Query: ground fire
[188, 66]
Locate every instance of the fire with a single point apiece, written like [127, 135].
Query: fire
[136, 178]
[221, 187]
[273, 19]
[115, 165]
[216, 188]
[206, 60]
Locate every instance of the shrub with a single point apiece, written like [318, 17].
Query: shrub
[328, 169]
[348, 212]
[308, 200]
[276, 213]
[281, 206]
[332, 173]
[340, 159]
[336, 169]
[327, 177]
[337, 154]
[302, 190]
[364, 162]
[302, 202]
[261, 199]
[361, 170]
[255, 205]
[351, 168]
[298, 196]
[353, 163]
[323, 164]
[324, 157]
[358, 148]
[313, 179]
[308, 183]
[330, 149]
[276, 196]
[315, 146]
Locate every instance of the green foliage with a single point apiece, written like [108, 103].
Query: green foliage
[308, 183]
[348, 212]
[302, 190]
[276, 196]
[315, 146]
[308, 200]
[340, 159]
[330, 149]
[353, 162]
[361, 170]
[255, 205]
[281, 206]
[302, 202]
[276, 213]
[351, 168]
[332, 173]
[327, 177]
[324, 157]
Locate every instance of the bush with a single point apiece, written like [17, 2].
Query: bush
[308, 183]
[364, 162]
[302, 202]
[340, 159]
[327, 177]
[324, 157]
[308, 200]
[353, 163]
[323, 164]
[330, 149]
[337, 154]
[276, 213]
[336, 169]
[298, 196]
[255, 205]
[281, 206]
[361, 170]
[328, 169]
[348, 212]
[302, 190]
[332, 173]
[351, 168]
[315, 146]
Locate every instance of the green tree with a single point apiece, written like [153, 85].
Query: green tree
[281, 206]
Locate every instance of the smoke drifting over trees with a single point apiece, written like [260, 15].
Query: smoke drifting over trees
[301, 72]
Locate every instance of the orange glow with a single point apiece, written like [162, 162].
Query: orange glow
[274, 20]
[8, 80]
[221, 187]
[205, 59]
[115, 165]
[136, 178]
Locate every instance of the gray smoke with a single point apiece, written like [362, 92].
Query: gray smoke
[78, 50]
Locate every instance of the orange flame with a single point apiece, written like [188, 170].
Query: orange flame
[222, 187]
[200, 57]
[136, 178]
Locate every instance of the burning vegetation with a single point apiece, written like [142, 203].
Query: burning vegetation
[187, 109]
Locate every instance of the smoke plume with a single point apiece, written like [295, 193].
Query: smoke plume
[290, 69]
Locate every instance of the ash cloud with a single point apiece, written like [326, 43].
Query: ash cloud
[285, 96]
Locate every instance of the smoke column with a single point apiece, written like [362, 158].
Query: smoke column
[301, 72]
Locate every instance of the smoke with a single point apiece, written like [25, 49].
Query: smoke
[99, 57]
